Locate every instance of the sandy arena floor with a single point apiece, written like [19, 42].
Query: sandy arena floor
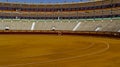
[58, 51]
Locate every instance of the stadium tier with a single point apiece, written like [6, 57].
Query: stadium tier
[97, 9]
[81, 25]
[61, 16]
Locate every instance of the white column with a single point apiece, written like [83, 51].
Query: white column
[33, 25]
[74, 29]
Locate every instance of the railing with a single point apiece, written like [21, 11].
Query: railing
[65, 32]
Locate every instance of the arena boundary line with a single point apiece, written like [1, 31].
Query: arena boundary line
[92, 44]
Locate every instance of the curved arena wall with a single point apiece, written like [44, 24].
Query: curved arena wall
[57, 32]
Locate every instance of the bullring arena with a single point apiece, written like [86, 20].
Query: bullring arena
[85, 34]
[59, 51]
